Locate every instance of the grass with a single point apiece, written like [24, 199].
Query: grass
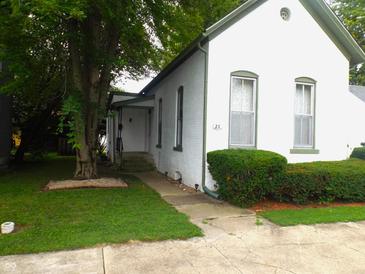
[290, 217]
[308, 216]
[71, 219]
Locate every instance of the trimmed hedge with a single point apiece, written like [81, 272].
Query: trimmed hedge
[322, 182]
[244, 176]
[359, 153]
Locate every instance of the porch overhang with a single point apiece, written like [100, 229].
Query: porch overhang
[138, 102]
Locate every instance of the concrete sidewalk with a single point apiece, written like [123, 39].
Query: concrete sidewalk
[233, 243]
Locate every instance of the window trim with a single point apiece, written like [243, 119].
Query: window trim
[306, 149]
[179, 108]
[245, 75]
[159, 124]
[305, 80]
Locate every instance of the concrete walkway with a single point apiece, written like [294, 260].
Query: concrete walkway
[233, 243]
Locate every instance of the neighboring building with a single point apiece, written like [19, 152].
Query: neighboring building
[358, 91]
[271, 75]
[5, 130]
[5, 126]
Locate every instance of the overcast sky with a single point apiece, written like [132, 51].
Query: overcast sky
[136, 86]
[132, 85]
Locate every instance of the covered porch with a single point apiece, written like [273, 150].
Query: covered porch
[129, 127]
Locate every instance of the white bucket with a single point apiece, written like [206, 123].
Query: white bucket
[7, 227]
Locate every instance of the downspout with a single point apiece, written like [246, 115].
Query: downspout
[205, 189]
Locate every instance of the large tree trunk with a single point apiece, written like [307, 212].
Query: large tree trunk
[86, 163]
[86, 153]
[91, 77]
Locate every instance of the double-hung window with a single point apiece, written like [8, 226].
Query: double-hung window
[243, 112]
[159, 124]
[304, 115]
[179, 119]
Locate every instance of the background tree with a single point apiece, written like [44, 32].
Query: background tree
[352, 13]
[189, 20]
[34, 77]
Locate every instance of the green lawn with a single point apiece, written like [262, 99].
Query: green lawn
[80, 218]
[289, 217]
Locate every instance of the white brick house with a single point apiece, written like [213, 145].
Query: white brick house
[272, 75]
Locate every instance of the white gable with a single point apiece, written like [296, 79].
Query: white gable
[280, 51]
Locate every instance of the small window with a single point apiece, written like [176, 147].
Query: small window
[159, 133]
[243, 112]
[179, 118]
[304, 115]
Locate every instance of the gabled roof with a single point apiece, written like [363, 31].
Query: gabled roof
[319, 10]
[358, 91]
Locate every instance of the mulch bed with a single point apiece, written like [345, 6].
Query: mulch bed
[92, 183]
[273, 205]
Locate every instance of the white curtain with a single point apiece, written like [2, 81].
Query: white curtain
[303, 116]
[242, 112]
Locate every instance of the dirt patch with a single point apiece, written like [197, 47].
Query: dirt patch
[273, 205]
[92, 183]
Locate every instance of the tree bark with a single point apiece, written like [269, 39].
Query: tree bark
[86, 163]
[91, 77]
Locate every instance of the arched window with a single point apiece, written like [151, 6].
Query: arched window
[304, 125]
[243, 109]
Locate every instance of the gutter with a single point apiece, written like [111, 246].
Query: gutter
[204, 153]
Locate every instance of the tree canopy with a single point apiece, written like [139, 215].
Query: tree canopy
[71, 50]
[352, 13]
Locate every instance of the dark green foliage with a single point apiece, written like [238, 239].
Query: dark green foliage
[359, 153]
[322, 182]
[351, 12]
[248, 176]
[245, 176]
[75, 49]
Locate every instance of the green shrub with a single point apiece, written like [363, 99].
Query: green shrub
[359, 153]
[322, 182]
[245, 176]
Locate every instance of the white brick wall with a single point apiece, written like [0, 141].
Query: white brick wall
[188, 162]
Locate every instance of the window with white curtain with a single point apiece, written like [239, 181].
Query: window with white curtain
[304, 116]
[243, 112]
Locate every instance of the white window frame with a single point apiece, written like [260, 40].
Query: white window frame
[303, 146]
[254, 104]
